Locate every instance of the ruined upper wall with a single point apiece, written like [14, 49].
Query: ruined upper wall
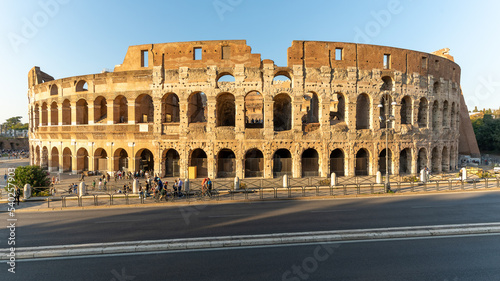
[316, 54]
[224, 53]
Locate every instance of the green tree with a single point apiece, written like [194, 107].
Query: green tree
[33, 175]
[14, 123]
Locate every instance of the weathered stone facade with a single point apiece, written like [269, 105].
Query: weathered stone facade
[166, 108]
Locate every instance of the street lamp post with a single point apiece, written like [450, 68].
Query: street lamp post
[388, 119]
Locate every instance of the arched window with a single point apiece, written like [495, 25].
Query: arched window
[82, 112]
[445, 160]
[226, 110]
[199, 160]
[282, 163]
[226, 164]
[363, 112]
[421, 159]
[225, 79]
[422, 113]
[309, 108]
[100, 160]
[446, 117]
[436, 87]
[82, 160]
[254, 110]
[121, 160]
[54, 114]
[66, 113]
[337, 109]
[144, 109]
[82, 86]
[282, 112]
[405, 161]
[254, 163]
[121, 114]
[362, 163]
[382, 161]
[170, 108]
[337, 162]
[100, 110]
[435, 115]
[197, 104]
[386, 110]
[310, 163]
[44, 114]
[54, 90]
[435, 160]
[388, 84]
[405, 111]
[172, 167]
[282, 80]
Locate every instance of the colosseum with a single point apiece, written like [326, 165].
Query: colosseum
[213, 108]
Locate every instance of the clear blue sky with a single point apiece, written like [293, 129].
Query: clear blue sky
[75, 37]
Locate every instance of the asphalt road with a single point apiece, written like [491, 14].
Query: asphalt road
[444, 259]
[131, 224]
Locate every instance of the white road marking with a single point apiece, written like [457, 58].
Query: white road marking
[334, 211]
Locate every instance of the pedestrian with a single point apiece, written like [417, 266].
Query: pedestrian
[179, 188]
[17, 195]
[93, 184]
[100, 184]
[209, 187]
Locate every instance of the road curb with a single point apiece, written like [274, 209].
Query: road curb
[248, 240]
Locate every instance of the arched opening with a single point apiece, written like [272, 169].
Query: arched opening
[67, 163]
[254, 163]
[172, 163]
[388, 84]
[435, 114]
[422, 113]
[145, 160]
[337, 162]
[282, 163]
[170, 108]
[54, 114]
[405, 111]
[386, 110]
[282, 80]
[82, 86]
[66, 113]
[362, 163]
[452, 116]
[100, 110]
[197, 104]
[421, 159]
[309, 108]
[435, 160]
[54, 163]
[310, 163]
[226, 164]
[100, 160]
[405, 161]
[121, 113]
[144, 109]
[282, 113]
[45, 158]
[436, 87]
[44, 114]
[226, 110]
[38, 157]
[199, 163]
[254, 110]
[121, 161]
[445, 160]
[446, 120]
[54, 91]
[82, 160]
[225, 80]
[82, 112]
[36, 116]
[337, 109]
[382, 161]
[363, 112]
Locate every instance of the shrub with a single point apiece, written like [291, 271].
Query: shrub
[32, 175]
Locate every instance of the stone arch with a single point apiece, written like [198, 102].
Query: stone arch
[66, 112]
[405, 161]
[362, 167]
[282, 163]
[452, 116]
[225, 110]
[44, 114]
[170, 108]
[224, 77]
[120, 103]
[197, 104]
[435, 115]
[254, 110]
[254, 163]
[198, 159]
[363, 112]
[82, 112]
[45, 158]
[226, 163]
[36, 116]
[435, 160]
[100, 160]
[82, 86]
[121, 160]
[422, 113]
[82, 160]
[54, 91]
[54, 163]
[67, 157]
[172, 168]
[282, 112]
[144, 109]
[445, 160]
[385, 102]
[436, 87]
[310, 108]
[100, 110]
[54, 114]
[446, 119]
[36, 152]
[144, 160]
[337, 109]
[382, 161]
[282, 79]
[388, 84]
[405, 110]
[310, 163]
[421, 159]
[337, 162]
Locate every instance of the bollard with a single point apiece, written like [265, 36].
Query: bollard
[135, 186]
[423, 176]
[27, 191]
[378, 179]
[81, 189]
[464, 174]
[186, 187]
[333, 179]
[285, 181]
[236, 183]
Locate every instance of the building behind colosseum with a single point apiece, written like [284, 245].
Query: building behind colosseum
[212, 108]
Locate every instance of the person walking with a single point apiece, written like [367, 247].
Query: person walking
[17, 195]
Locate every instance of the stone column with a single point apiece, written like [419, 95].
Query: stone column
[49, 115]
[73, 113]
[113, 110]
[91, 115]
[60, 114]
[240, 115]
[157, 122]
[131, 112]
